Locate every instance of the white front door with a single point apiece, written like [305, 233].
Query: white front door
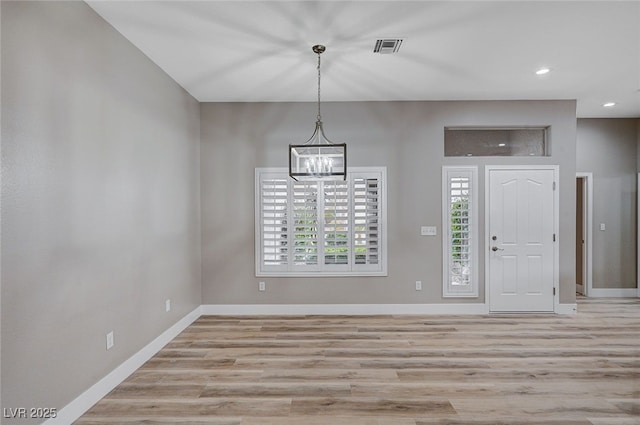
[521, 240]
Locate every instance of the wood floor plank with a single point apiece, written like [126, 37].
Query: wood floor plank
[337, 375]
[538, 407]
[501, 421]
[630, 406]
[289, 390]
[208, 407]
[331, 420]
[516, 369]
[371, 406]
[129, 391]
[169, 363]
[189, 420]
[615, 421]
[526, 374]
[161, 377]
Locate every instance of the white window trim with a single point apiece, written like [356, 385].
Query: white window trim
[352, 269]
[449, 290]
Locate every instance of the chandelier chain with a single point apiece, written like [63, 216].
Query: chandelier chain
[319, 116]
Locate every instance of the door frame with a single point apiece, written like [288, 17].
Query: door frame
[556, 228]
[587, 230]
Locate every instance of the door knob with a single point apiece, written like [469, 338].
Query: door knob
[495, 248]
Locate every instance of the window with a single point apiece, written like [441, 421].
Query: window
[524, 141]
[460, 230]
[321, 228]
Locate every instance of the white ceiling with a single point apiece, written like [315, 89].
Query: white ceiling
[255, 51]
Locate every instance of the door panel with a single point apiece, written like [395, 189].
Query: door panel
[508, 276]
[521, 227]
[535, 272]
[534, 212]
[509, 200]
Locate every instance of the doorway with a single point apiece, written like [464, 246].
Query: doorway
[522, 258]
[580, 238]
[584, 211]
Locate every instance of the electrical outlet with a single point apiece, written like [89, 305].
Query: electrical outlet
[418, 285]
[110, 341]
[167, 305]
[262, 286]
[602, 227]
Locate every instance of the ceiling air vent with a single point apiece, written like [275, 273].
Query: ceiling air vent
[388, 45]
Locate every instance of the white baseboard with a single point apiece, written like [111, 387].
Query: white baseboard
[355, 309]
[613, 293]
[342, 309]
[567, 309]
[72, 411]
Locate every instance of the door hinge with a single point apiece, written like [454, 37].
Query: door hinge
[554, 237]
[554, 185]
[554, 291]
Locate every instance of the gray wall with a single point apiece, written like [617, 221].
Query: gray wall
[406, 137]
[609, 148]
[100, 201]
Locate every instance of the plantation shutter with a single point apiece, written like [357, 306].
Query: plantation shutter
[336, 223]
[328, 228]
[459, 230]
[367, 221]
[305, 224]
[273, 223]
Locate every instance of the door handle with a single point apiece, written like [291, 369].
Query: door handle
[495, 248]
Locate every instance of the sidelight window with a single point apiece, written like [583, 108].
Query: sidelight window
[460, 211]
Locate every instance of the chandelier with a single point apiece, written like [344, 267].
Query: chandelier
[318, 158]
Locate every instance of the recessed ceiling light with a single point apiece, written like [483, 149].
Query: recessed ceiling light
[542, 71]
[609, 104]
[502, 145]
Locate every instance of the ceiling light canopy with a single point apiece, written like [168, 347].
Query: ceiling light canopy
[318, 158]
[543, 71]
[609, 104]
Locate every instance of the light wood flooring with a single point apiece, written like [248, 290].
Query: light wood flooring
[392, 370]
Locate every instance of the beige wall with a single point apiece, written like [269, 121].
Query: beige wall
[100, 201]
[608, 149]
[407, 138]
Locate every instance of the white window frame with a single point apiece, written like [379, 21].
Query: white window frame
[449, 289]
[290, 269]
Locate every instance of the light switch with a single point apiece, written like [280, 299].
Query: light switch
[602, 226]
[428, 231]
